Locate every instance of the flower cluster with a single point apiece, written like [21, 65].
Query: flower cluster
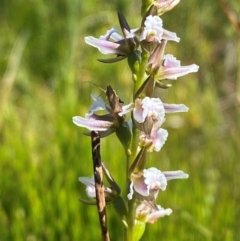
[138, 125]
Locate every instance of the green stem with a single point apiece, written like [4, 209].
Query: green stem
[131, 203]
[131, 220]
[145, 6]
[141, 75]
[130, 233]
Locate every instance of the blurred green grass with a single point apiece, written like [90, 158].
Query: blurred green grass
[44, 67]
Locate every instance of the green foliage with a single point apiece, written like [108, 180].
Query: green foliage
[42, 153]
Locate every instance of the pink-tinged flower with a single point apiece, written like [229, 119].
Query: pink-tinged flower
[94, 122]
[110, 43]
[150, 108]
[153, 109]
[107, 123]
[155, 140]
[114, 43]
[165, 5]
[153, 31]
[147, 214]
[172, 68]
[150, 181]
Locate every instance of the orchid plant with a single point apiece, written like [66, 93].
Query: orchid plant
[138, 125]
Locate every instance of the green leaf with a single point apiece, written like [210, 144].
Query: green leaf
[124, 134]
[120, 207]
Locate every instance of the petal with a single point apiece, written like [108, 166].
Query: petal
[112, 34]
[97, 105]
[156, 214]
[153, 108]
[139, 184]
[175, 72]
[126, 109]
[142, 211]
[175, 175]
[91, 124]
[105, 47]
[173, 108]
[138, 111]
[132, 33]
[91, 191]
[171, 61]
[88, 181]
[171, 36]
[158, 137]
[155, 179]
[90, 185]
[153, 30]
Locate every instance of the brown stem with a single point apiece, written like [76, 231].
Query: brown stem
[98, 176]
[231, 15]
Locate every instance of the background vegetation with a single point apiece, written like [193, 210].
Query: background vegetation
[44, 69]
